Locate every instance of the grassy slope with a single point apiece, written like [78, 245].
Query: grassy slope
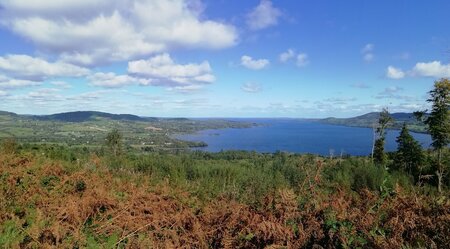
[62, 198]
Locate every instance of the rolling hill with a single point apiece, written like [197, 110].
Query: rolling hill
[83, 116]
[369, 119]
[89, 128]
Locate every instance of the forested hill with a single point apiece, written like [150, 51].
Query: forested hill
[369, 119]
[82, 116]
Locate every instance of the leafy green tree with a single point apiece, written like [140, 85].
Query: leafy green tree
[379, 156]
[409, 156]
[114, 142]
[439, 123]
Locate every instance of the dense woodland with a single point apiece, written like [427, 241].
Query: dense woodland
[112, 196]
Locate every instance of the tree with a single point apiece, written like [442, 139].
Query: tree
[439, 123]
[378, 151]
[378, 147]
[409, 156]
[114, 142]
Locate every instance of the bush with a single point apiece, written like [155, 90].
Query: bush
[357, 174]
[9, 146]
[368, 177]
[80, 186]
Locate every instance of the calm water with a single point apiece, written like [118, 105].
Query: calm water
[296, 136]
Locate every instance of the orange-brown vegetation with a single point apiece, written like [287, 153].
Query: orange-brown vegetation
[46, 203]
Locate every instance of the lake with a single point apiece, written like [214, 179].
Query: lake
[293, 135]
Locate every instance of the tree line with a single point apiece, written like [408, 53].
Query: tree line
[409, 156]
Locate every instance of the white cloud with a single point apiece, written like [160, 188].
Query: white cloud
[27, 67]
[91, 96]
[392, 89]
[61, 84]
[431, 69]
[51, 7]
[111, 80]
[263, 16]
[251, 87]
[340, 100]
[9, 83]
[394, 73]
[3, 93]
[367, 48]
[302, 60]
[368, 57]
[389, 92]
[393, 93]
[360, 85]
[46, 94]
[286, 56]
[185, 89]
[100, 31]
[403, 56]
[250, 63]
[367, 52]
[162, 70]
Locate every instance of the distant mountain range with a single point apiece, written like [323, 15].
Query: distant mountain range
[366, 120]
[80, 116]
[369, 119]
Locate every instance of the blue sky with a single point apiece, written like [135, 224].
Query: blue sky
[217, 58]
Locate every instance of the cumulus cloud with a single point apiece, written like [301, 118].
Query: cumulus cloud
[263, 16]
[162, 70]
[251, 87]
[431, 69]
[111, 80]
[302, 60]
[9, 83]
[31, 68]
[286, 56]
[3, 93]
[90, 32]
[254, 64]
[394, 73]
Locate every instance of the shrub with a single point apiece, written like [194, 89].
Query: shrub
[80, 186]
[9, 146]
[368, 177]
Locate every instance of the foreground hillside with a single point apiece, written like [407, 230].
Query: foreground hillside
[57, 197]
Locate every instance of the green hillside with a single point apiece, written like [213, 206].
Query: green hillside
[371, 119]
[88, 129]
